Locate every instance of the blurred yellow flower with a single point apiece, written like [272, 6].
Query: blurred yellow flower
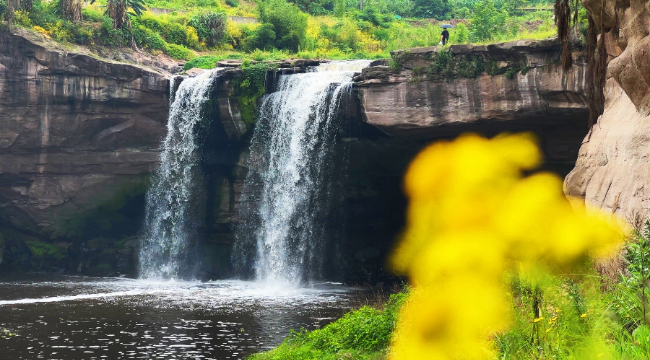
[472, 218]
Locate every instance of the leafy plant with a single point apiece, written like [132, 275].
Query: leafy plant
[249, 88]
[364, 333]
[210, 27]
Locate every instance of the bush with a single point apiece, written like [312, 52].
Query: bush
[179, 52]
[210, 27]
[232, 3]
[3, 9]
[487, 19]
[203, 62]
[283, 24]
[263, 38]
[438, 9]
[92, 14]
[109, 36]
[460, 35]
[148, 38]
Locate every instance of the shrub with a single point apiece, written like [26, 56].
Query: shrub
[92, 14]
[179, 52]
[210, 27]
[109, 36]
[486, 21]
[3, 9]
[284, 23]
[202, 62]
[263, 38]
[148, 38]
[232, 3]
[21, 17]
[192, 38]
[461, 35]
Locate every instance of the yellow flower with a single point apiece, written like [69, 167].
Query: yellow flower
[583, 316]
[473, 217]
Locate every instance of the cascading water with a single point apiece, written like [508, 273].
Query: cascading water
[170, 226]
[286, 193]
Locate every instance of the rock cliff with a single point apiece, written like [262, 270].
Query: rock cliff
[74, 131]
[79, 137]
[612, 171]
[512, 86]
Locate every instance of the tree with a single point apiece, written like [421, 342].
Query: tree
[118, 11]
[282, 21]
[486, 21]
[210, 27]
[70, 10]
[431, 8]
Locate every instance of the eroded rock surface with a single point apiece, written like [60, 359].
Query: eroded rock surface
[532, 93]
[612, 171]
[74, 131]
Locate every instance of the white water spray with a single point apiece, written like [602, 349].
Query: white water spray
[170, 226]
[291, 154]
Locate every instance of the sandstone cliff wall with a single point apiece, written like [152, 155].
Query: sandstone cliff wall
[612, 171]
[530, 92]
[73, 131]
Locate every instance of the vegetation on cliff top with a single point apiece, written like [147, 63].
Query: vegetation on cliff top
[335, 29]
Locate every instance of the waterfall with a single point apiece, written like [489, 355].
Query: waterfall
[287, 192]
[170, 225]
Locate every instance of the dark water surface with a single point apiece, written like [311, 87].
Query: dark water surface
[63, 317]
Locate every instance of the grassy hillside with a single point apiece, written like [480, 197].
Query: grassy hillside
[334, 29]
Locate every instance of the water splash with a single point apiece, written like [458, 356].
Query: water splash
[286, 191]
[170, 226]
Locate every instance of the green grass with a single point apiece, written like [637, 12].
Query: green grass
[360, 334]
[599, 312]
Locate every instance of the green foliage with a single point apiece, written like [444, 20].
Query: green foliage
[632, 305]
[487, 21]
[3, 9]
[211, 27]
[314, 7]
[361, 334]
[249, 88]
[284, 25]
[373, 16]
[42, 250]
[179, 52]
[203, 62]
[460, 35]
[232, 3]
[438, 9]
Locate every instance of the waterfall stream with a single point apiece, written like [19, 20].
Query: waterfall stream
[170, 226]
[286, 193]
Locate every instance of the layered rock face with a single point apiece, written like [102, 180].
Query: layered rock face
[529, 92]
[74, 131]
[612, 171]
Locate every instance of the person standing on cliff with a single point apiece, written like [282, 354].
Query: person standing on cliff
[444, 37]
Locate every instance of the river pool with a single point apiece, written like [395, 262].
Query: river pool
[69, 317]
